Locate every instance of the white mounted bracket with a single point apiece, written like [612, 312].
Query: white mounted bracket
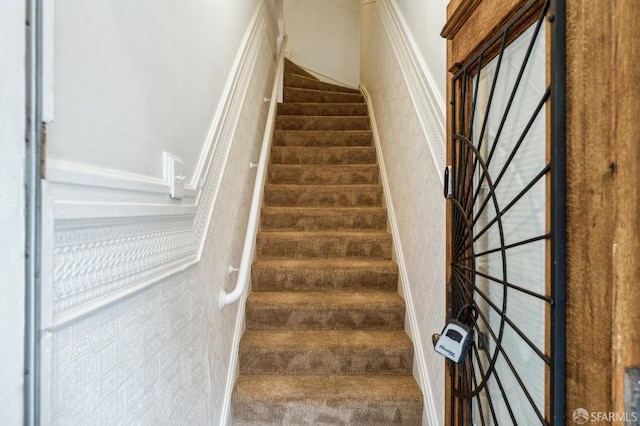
[173, 168]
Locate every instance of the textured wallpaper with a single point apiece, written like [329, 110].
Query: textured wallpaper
[415, 189]
[142, 361]
[226, 233]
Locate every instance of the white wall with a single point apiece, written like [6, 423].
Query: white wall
[424, 21]
[131, 279]
[410, 130]
[324, 38]
[12, 199]
[132, 79]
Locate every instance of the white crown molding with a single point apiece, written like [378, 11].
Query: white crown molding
[427, 101]
[108, 234]
[412, 328]
[91, 177]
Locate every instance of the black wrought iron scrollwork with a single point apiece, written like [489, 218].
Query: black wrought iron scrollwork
[472, 184]
[463, 276]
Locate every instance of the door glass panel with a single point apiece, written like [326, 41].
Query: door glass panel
[513, 159]
[501, 279]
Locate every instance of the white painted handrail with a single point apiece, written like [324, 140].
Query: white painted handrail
[256, 201]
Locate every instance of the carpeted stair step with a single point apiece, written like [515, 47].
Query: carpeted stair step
[300, 81]
[328, 310]
[323, 218]
[348, 174]
[295, 94]
[339, 109]
[292, 68]
[325, 340]
[325, 352]
[323, 195]
[324, 275]
[357, 400]
[322, 138]
[321, 122]
[323, 155]
[324, 245]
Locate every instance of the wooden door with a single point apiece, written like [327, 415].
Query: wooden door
[506, 210]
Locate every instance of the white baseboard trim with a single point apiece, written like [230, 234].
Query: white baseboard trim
[412, 327]
[427, 101]
[232, 373]
[108, 234]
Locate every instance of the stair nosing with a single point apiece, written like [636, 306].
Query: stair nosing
[296, 165]
[328, 233]
[358, 387]
[326, 209]
[345, 89]
[284, 299]
[323, 148]
[333, 117]
[325, 131]
[324, 91]
[300, 338]
[325, 103]
[333, 186]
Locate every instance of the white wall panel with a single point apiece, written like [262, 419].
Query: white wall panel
[425, 20]
[324, 37]
[133, 79]
[12, 201]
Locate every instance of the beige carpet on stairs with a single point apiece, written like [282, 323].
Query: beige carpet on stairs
[325, 341]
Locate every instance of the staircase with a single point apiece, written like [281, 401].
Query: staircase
[324, 343]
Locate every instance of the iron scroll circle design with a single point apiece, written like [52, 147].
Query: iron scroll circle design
[464, 221]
